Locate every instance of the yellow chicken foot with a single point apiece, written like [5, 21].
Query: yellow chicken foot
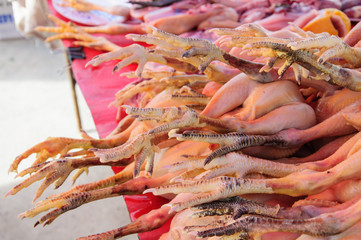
[210, 52]
[172, 58]
[54, 171]
[55, 146]
[211, 189]
[130, 54]
[73, 200]
[111, 28]
[329, 72]
[140, 146]
[335, 48]
[238, 206]
[141, 55]
[245, 30]
[143, 145]
[295, 184]
[156, 84]
[327, 224]
[177, 118]
[239, 41]
[150, 221]
[116, 179]
[230, 142]
[240, 165]
[233, 164]
[286, 138]
[68, 30]
[175, 58]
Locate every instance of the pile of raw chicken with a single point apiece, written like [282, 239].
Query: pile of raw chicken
[252, 133]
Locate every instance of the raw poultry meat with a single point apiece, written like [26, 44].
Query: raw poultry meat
[184, 16]
[203, 134]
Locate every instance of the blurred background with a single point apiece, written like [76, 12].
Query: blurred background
[35, 103]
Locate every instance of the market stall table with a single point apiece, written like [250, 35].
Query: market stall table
[98, 86]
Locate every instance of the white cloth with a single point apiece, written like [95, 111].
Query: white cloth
[28, 14]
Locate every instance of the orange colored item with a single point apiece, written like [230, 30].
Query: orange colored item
[328, 20]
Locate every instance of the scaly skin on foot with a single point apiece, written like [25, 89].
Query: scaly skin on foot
[286, 138]
[155, 85]
[210, 52]
[72, 200]
[130, 54]
[329, 72]
[334, 46]
[326, 224]
[210, 176]
[54, 171]
[55, 146]
[144, 145]
[295, 184]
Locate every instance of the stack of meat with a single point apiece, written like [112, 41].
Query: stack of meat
[253, 135]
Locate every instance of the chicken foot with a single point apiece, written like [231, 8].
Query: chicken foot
[158, 84]
[234, 164]
[66, 202]
[335, 46]
[295, 184]
[54, 146]
[144, 144]
[329, 72]
[286, 138]
[210, 52]
[55, 171]
[333, 221]
[66, 30]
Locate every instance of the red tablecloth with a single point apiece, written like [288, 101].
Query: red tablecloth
[99, 86]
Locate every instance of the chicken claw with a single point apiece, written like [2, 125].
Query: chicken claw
[144, 145]
[54, 146]
[325, 224]
[130, 54]
[231, 142]
[329, 72]
[206, 52]
[158, 84]
[335, 48]
[54, 171]
[51, 148]
[140, 146]
[295, 184]
[177, 118]
[67, 30]
[64, 203]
